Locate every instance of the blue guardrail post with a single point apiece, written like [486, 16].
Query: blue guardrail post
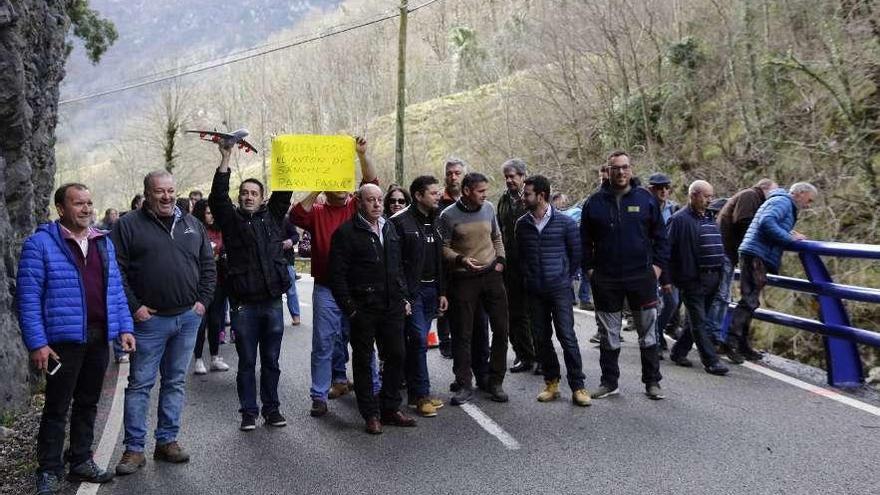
[842, 356]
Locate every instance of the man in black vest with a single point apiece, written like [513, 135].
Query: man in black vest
[257, 277]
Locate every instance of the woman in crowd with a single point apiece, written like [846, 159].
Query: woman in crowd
[215, 316]
[396, 199]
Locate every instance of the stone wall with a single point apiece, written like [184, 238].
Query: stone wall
[32, 55]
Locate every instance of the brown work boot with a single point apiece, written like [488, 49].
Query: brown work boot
[130, 462]
[373, 426]
[397, 418]
[337, 390]
[581, 397]
[170, 452]
[550, 392]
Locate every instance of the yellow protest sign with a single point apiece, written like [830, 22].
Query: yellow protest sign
[303, 162]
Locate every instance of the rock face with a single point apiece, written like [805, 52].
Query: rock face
[32, 55]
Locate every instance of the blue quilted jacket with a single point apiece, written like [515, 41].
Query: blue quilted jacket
[770, 230]
[549, 260]
[50, 297]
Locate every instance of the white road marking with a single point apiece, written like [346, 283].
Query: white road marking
[490, 426]
[823, 392]
[111, 431]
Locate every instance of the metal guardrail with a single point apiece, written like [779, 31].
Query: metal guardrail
[840, 337]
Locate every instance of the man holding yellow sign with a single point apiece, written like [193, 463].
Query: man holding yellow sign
[329, 325]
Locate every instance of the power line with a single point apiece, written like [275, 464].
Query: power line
[227, 60]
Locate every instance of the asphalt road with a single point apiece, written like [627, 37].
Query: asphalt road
[744, 433]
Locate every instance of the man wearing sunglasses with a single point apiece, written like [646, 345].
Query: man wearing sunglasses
[661, 187]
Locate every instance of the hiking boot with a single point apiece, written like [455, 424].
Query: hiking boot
[717, 368]
[397, 418]
[337, 390]
[90, 472]
[319, 408]
[373, 426]
[217, 364]
[497, 394]
[581, 397]
[130, 462]
[752, 355]
[682, 361]
[550, 392]
[605, 391]
[275, 419]
[199, 367]
[248, 422]
[425, 408]
[654, 392]
[521, 366]
[47, 483]
[462, 395]
[170, 452]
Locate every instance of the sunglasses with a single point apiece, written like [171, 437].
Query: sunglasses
[398, 201]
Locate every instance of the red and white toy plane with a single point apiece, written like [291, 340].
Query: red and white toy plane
[227, 138]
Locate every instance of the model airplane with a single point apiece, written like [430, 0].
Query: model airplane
[227, 139]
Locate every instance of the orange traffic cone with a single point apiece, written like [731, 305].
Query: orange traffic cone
[433, 338]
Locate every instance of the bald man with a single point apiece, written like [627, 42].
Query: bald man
[696, 265]
[368, 284]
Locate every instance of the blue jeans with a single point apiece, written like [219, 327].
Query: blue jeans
[330, 333]
[292, 297]
[669, 307]
[554, 310]
[583, 294]
[258, 329]
[418, 324]
[718, 310]
[164, 343]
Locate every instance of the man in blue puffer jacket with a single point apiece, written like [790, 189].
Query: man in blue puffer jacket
[70, 304]
[549, 256]
[624, 253]
[760, 253]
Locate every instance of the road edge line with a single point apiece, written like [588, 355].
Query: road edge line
[490, 426]
[112, 426]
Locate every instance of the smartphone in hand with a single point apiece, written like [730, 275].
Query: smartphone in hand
[54, 365]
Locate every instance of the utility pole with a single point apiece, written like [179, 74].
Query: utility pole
[401, 93]
[263, 120]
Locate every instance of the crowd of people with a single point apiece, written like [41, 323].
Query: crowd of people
[158, 280]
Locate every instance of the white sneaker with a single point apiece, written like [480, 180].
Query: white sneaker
[199, 368]
[217, 364]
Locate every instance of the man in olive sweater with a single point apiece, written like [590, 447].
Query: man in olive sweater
[474, 251]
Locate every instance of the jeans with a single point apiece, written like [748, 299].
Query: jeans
[583, 294]
[259, 328]
[469, 293]
[554, 310]
[212, 324]
[79, 380]
[718, 310]
[697, 301]
[670, 302]
[330, 330]
[753, 278]
[418, 324]
[164, 344]
[369, 328]
[292, 297]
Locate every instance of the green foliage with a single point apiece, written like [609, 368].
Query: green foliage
[686, 53]
[470, 56]
[625, 126]
[96, 32]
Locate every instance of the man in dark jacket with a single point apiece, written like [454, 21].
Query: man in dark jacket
[696, 262]
[70, 303]
[422, 251]
[169, 275]
[550, 256]
[257, 277]
[367, 281]
[510, 209]
[625, 251]
[737, 215]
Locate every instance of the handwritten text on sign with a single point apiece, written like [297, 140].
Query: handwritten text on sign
[304, 162]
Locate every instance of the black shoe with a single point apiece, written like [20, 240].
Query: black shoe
[90, 472]
[483, 383]
[497, 394]
[654, 392]
[462, 396]
[682, 361]
[734, 355]
[752, 355]
[248, 422]
[47, 483]
[275, 419]
[454, 387]
[539, 370]
[521, 366]
[717, 368]
[319, 408]
[445, 353]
